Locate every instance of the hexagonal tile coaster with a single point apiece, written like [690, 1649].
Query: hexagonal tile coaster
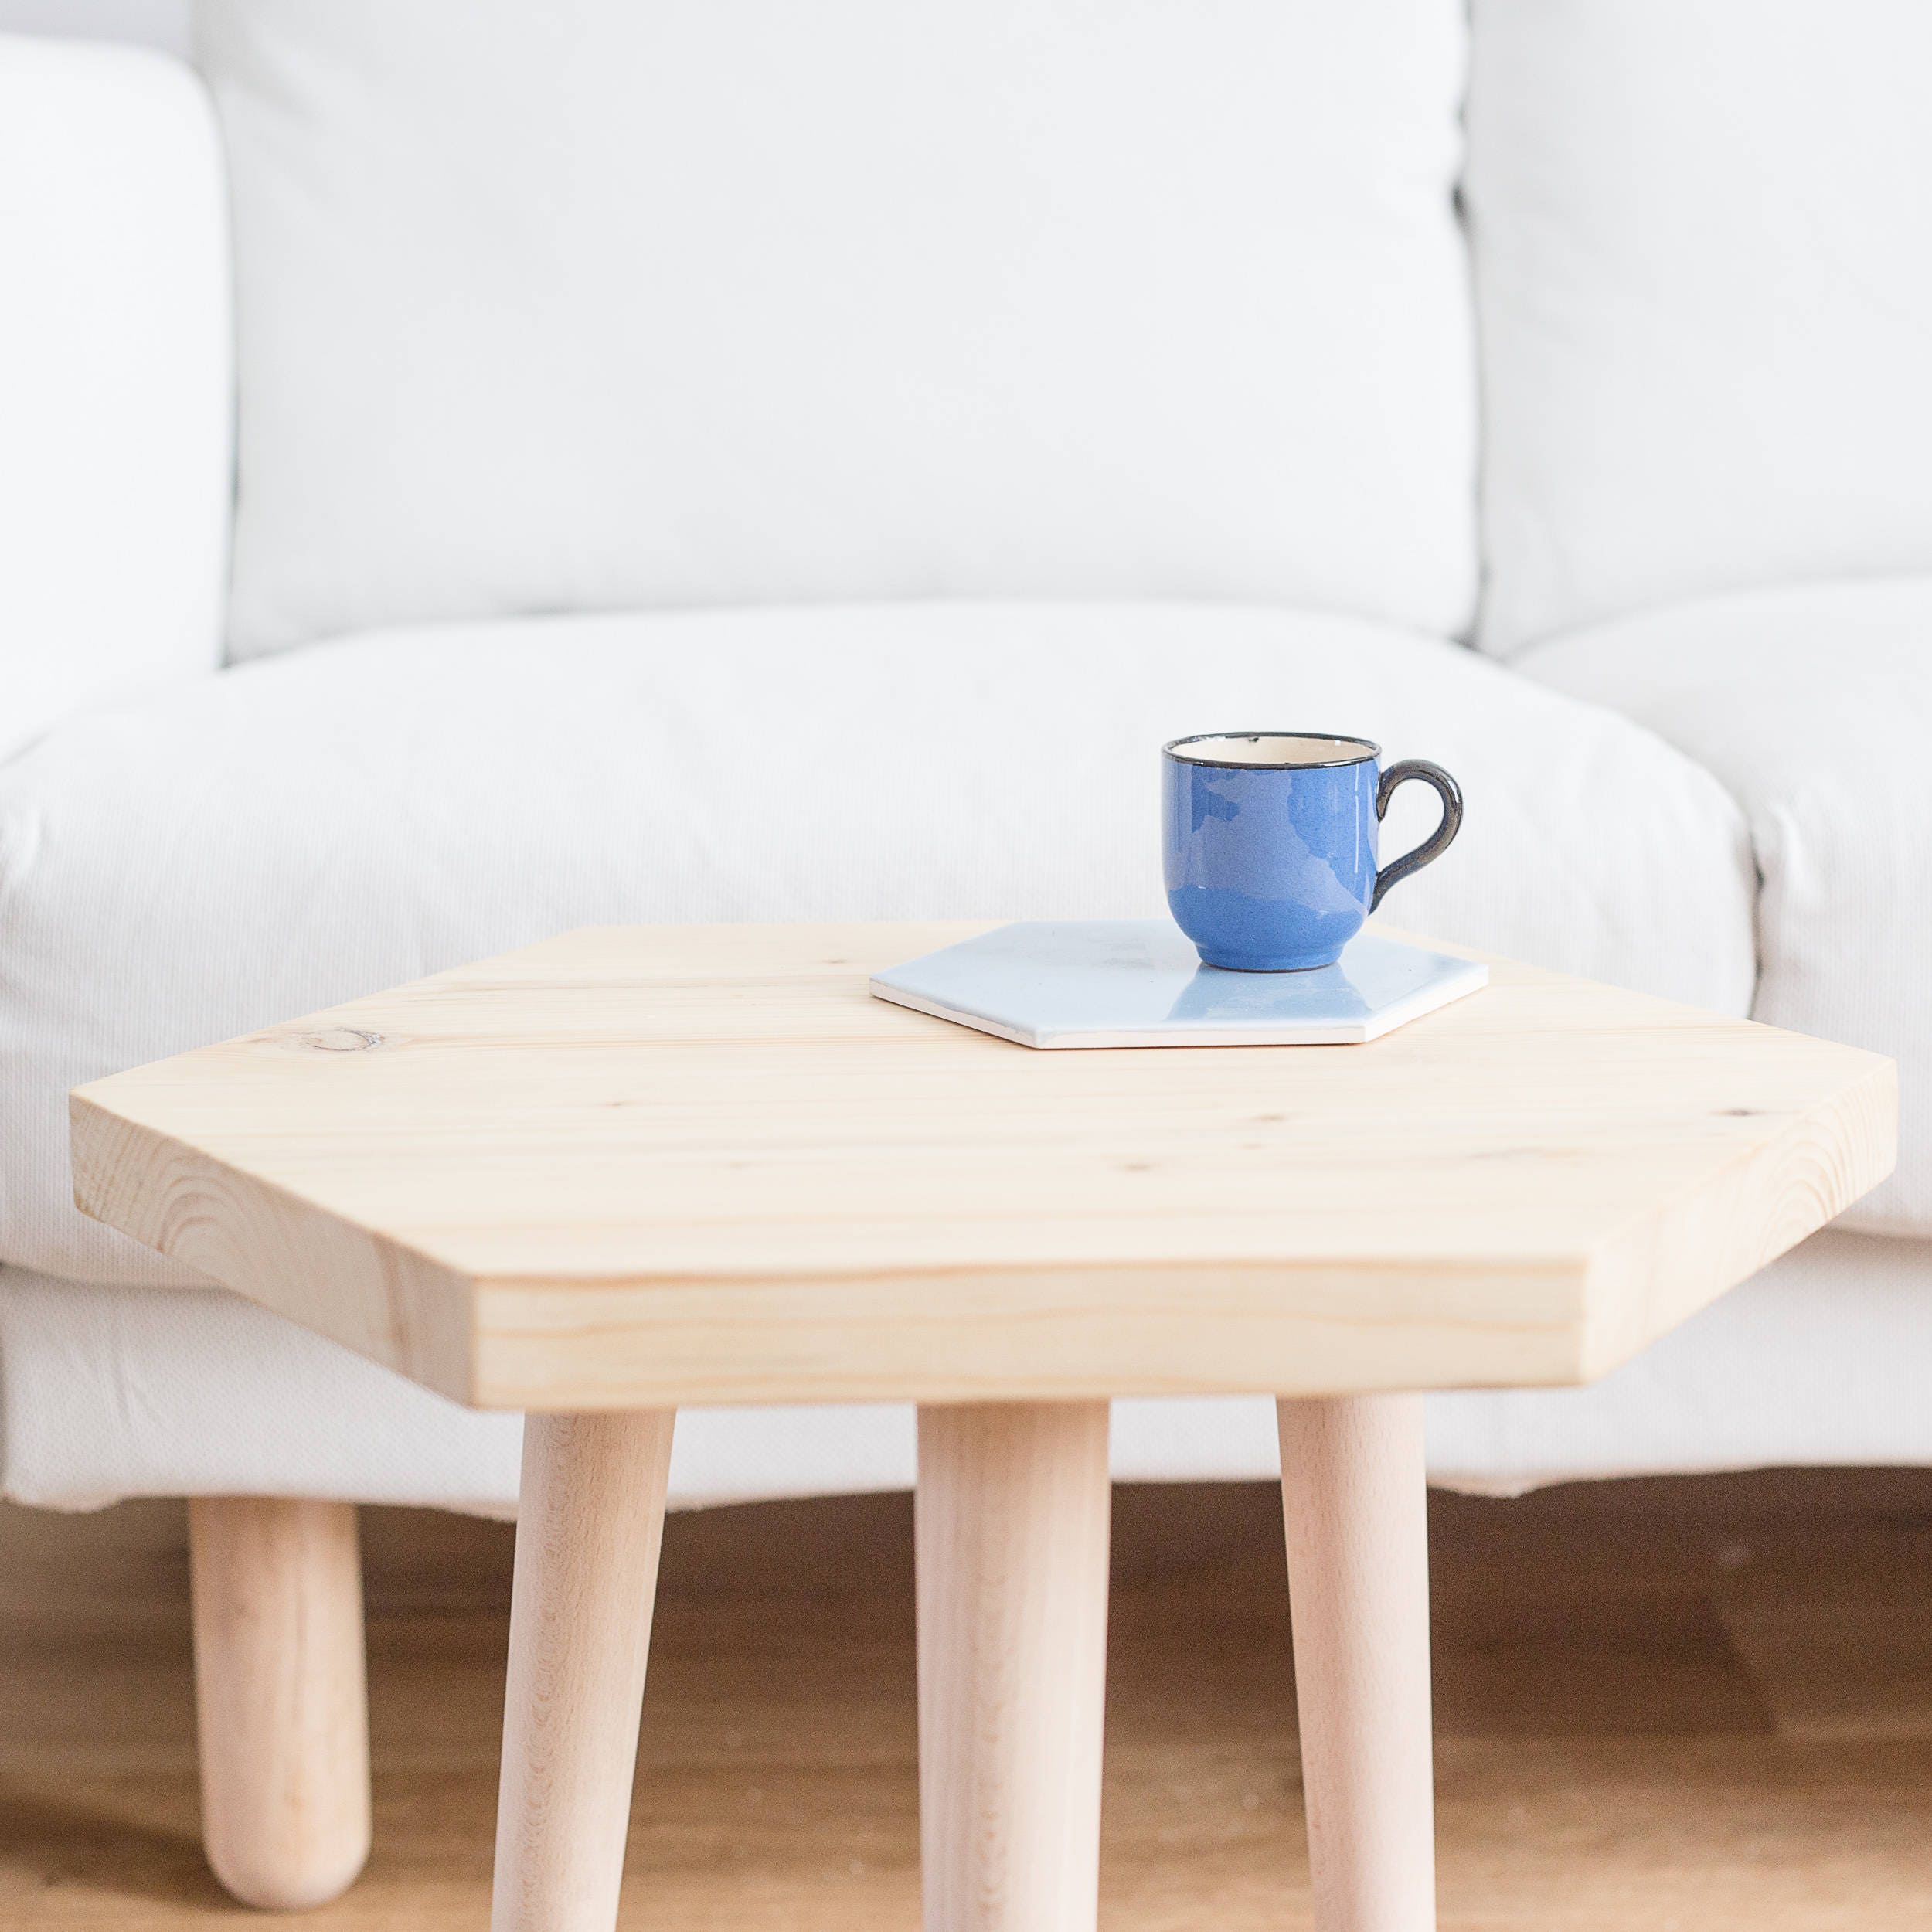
[1139, 982]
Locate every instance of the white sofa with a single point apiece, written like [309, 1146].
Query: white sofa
[714, 459]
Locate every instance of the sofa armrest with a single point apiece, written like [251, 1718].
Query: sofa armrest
[1811, 705]
[116, 378]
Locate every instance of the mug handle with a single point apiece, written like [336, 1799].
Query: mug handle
[1438, 841]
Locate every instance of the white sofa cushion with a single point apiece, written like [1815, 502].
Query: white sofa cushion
[170, 1392]
[599, 305]
[162, 23]
[1813, 706]
[115, 373]
[320, 824]
[1705, 292]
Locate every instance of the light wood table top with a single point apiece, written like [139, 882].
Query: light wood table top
[663, 1165]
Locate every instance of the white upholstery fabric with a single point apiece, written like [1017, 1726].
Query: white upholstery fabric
[1820, 1360]
[1705, 294]
[108, 1392]
[599, 305]
[115, 378]
[296, 832]
[1813, 707]
[160, 23]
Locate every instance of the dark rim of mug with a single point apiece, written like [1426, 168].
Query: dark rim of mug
[1365, 750]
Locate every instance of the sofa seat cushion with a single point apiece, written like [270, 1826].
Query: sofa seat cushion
[1813, 706]
[301, 830]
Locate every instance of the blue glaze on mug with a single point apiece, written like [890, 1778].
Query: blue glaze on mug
[1270, 842]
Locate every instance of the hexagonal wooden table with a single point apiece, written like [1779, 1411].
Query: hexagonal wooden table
[630, 1169]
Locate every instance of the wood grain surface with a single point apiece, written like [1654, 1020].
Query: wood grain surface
[282, 1702]
[657, 1165]
[1610, 1758]
[1354, 1508]
[1011, 1518]
[589, 1531]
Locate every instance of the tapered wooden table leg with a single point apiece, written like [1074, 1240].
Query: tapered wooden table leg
[1354, 1499]
[1012, 1541]
[588, 1529]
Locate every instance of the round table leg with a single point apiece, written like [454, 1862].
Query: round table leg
[1013, 1544]
[588, 1528]
[1355, 1501]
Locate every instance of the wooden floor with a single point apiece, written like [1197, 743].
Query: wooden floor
[1698, 1705]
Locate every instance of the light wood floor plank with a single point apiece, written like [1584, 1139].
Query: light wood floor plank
[1636, 1704]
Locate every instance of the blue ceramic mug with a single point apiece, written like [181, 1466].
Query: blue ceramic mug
[1269, 839]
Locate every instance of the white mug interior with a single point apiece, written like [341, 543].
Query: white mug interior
[1278, 748]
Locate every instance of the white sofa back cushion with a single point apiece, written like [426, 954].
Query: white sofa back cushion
[160, 23]
[116, 410]
[599, 304]
[1703, 252]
